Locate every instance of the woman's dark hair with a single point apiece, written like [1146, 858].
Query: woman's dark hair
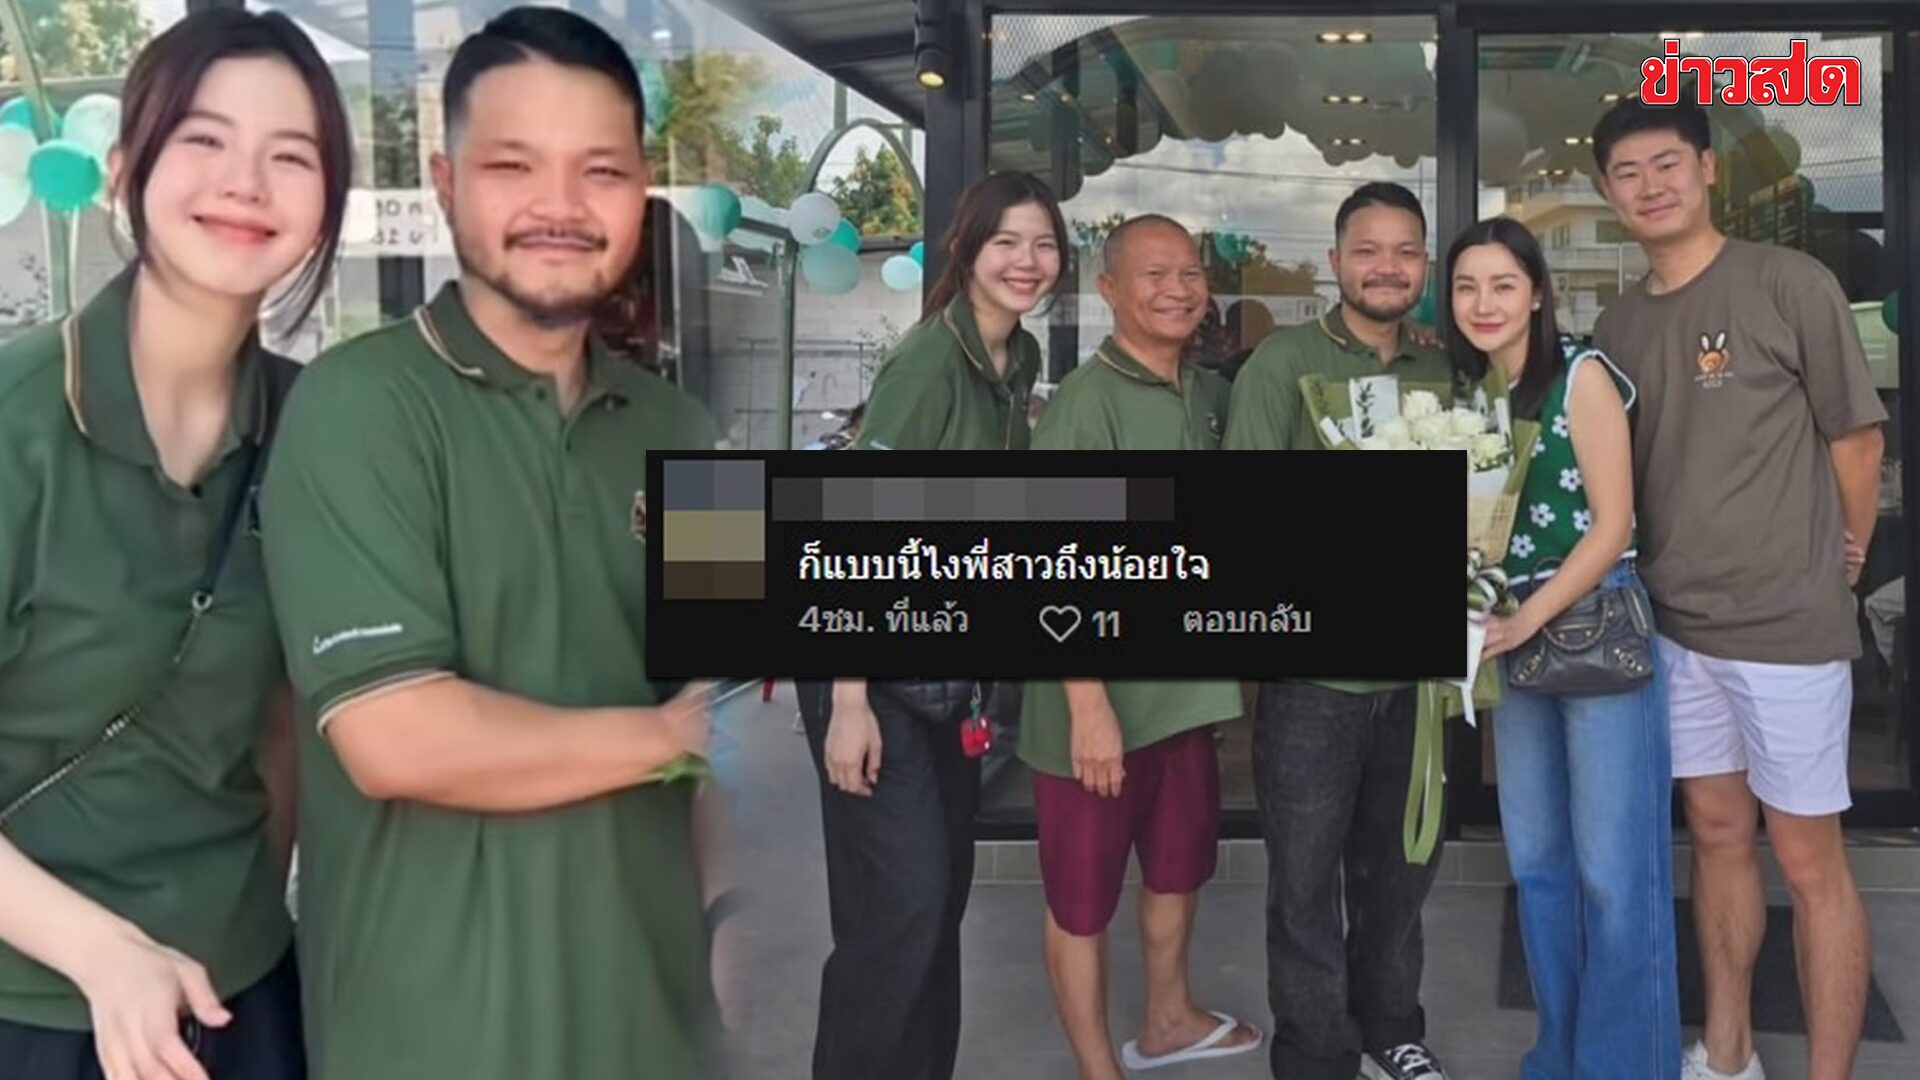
[1544, 359]
[976, 220]
[159, 93]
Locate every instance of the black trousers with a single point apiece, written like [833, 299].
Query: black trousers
[261, 1042]
[1344, 946]
[899, 871]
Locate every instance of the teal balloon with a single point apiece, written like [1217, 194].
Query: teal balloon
[93, 122]
[918, 253]
[847, 236]
[17, 113]
[900, 273]
[830, 269]
[1890, 311]
[65, 175]
[716, 210]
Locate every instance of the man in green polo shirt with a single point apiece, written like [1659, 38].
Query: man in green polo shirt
[492, 886]
[1125, 764]
[1332, 758]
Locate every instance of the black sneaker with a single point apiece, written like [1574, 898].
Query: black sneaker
[1408, 1061]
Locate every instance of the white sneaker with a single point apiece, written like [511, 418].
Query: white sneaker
[1694, 1067]
[1408, 1061]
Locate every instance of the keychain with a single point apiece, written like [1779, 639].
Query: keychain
[976, 735]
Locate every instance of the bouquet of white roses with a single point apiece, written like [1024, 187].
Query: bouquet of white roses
[1381, 413]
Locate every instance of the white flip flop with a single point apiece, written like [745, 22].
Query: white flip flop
[1206, 1048]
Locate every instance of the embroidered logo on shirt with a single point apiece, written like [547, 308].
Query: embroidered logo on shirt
[640, 516]
[1714, 360]
[322, 645]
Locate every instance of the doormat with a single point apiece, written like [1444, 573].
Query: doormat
[1776, 986]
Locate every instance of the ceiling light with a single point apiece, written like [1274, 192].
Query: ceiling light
[930, 28]
[1029, 96]
[1330, 37]
[1357, 37]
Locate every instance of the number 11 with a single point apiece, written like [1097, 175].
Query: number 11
[1106, 624]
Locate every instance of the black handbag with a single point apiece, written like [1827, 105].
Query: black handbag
[1601, 644]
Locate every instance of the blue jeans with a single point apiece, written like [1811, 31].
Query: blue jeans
[1585, 787]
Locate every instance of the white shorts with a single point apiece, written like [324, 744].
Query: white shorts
[1785, 725]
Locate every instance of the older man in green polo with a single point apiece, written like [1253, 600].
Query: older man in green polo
[1126, 764]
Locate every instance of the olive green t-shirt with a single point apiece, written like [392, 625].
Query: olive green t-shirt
[100, 553]
[1746, 373]
[438, 513]
[1113, 402]
[1269, 412]
[938, 389]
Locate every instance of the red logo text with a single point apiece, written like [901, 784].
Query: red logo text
[1794, 79]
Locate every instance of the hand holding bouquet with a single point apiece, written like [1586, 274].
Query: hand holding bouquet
[1382, 413]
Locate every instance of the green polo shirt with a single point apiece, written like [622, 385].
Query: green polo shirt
[1113, 402]
[1269, 412]
[430, 512]
[100, 553]
[938, 389]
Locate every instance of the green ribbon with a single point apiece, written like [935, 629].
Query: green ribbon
[1426, 789]
[685, 767]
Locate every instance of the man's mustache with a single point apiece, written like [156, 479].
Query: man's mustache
[1398, 282]
[589, 241]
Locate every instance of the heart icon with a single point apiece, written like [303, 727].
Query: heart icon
[1059, 621]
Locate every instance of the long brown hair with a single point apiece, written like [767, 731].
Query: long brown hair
[159, 93]
[978, 218]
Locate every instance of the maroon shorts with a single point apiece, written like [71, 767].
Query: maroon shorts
[1169, 808]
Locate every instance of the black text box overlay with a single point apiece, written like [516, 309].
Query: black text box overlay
[1265, 564]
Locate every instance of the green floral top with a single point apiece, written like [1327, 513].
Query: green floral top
[1553, 502]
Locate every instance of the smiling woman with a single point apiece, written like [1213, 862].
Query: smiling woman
[133, 432]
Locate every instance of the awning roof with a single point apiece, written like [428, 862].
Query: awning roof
[866, 44]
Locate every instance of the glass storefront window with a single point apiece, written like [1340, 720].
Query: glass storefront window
[1247, 130]
[80, 47]
[724, 106]
[1813, 179]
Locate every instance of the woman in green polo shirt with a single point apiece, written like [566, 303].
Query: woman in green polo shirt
[1585, 781]
[898, 788]
[144, 933]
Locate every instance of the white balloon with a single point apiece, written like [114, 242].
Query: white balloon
[93, 122]
[900, 273]
[16, 147]
[813, 218]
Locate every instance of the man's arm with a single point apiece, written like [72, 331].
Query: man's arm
[1839, 387]
[1856, 464]
[453, 743]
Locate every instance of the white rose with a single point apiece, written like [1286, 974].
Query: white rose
[1431, 428]
[1452, 442]
[1394, 430]
[1488, 449]
[1375, 442]
[1468, 422]
[1420, 403]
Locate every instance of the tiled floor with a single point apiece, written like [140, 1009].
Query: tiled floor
[1011, 1032]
